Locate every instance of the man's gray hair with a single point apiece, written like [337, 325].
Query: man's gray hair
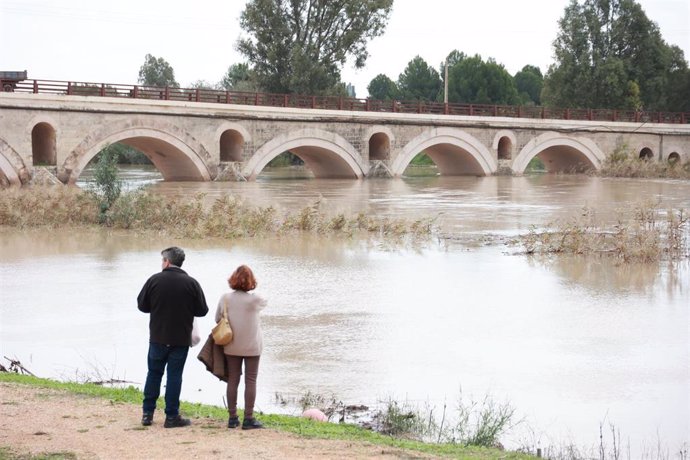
[174, 255]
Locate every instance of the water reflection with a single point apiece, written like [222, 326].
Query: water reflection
[603, 274]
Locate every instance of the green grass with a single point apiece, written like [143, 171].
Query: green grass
[7, 453]
[297, 425]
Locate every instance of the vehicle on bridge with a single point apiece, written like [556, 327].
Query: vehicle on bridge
[9, 79]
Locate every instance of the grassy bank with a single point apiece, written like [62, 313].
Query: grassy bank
[288, 424]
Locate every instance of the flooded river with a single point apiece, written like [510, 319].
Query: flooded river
[569, 342]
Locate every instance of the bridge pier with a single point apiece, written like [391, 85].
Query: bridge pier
[379, 169]
[230, 171]
[505, 168]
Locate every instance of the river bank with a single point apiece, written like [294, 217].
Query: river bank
[73, 421]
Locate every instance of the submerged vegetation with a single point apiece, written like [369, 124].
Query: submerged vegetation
[623, 163]
[107, 186]
[196, 217]
[643, 234]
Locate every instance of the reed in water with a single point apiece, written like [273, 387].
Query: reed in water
[196, 217]
[645, 233]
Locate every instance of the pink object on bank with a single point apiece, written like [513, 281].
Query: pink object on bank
[315, 414]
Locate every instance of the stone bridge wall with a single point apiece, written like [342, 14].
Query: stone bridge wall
[193, 141]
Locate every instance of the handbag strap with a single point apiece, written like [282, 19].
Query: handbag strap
[225, 309]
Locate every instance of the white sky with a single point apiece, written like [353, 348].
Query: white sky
[105, 42]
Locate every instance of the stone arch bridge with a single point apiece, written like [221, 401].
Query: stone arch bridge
[192, 141]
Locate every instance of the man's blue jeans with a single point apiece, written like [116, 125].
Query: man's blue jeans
[159, 357]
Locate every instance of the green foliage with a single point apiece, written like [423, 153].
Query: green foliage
[7, 453]
[107, 185]
[383, 88]
[529, 82]
[285, 159]
[202, 84]
[125, 155]
[299, 46]
[398, 420]
[419, 81]
[239, 77]
[422, 159]
[157, 72]
[535, 165]
[605, 45]
[472, 80]
[633, 100]
[482, 424]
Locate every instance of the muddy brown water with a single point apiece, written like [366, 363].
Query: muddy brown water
[569, 342]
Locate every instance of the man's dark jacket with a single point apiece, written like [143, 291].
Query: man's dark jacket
[173, 299]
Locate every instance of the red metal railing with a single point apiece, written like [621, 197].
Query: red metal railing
[341, 103]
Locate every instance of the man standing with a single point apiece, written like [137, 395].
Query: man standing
[173, 299]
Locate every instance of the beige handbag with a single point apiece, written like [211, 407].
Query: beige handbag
[222, 332]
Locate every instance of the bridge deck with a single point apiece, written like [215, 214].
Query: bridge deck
[342, 103]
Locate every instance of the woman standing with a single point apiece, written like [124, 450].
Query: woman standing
[243, 313]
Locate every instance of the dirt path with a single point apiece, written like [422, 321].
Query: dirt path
[36, 420]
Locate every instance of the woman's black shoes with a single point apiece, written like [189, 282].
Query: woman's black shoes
[250, 424]
[233, 422]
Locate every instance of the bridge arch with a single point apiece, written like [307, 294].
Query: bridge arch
[560, 153]
[327, 154]
[674, 153]
[13, 172]
[378, 139]
[177, 155]
[454, 151]
[645, 152]
[504, 144]
[231, 138]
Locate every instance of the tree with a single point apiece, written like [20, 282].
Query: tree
[472, 80]
[107, 185]
[602, 47]
[679, 82]
[157, 72]
[529, 82]
[299, 46]
[239, 77]
[202, 84]
[419, 81]
[382, 88]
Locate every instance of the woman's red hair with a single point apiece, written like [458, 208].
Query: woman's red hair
[242, 279]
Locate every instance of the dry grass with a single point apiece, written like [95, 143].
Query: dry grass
[643, 234]
[47, 207]
[622, 163]
[196, 217]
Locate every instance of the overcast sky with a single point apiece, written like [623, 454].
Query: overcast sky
[105, 42]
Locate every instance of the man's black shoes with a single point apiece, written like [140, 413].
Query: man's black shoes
[176, 421]
[147, 418]
[251, 424]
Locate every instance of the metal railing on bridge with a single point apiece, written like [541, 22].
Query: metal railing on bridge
[341, 103]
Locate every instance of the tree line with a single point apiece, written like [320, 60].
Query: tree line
[607, 54]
